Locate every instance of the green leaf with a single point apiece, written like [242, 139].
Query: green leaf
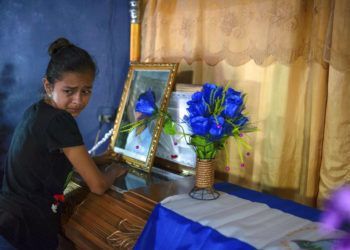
[129, 127]
[200, 154]
[211, 154]
[210, 147]
[169, 127]
[198, 140]
[205, 149]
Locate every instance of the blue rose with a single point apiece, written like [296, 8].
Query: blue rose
[227, 129]
[197, 106]
[146, 103]
[196, 109]
[232, 104]
[241, 121]
[216, 130]
[231, 93]
[232, 108]
[211, 93]
[197, 97]
[199, 125]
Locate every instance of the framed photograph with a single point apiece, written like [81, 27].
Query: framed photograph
[138, 146]
[174, 153]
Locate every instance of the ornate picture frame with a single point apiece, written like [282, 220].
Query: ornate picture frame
[138, 149]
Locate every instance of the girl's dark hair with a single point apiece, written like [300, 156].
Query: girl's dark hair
[65, 58]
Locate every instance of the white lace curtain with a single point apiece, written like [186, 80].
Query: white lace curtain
[240, 30]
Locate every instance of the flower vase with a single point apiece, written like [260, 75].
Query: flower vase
[204, 181]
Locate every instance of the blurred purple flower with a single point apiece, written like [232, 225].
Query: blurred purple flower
[337, 209]
[342, 244]
[337, 215]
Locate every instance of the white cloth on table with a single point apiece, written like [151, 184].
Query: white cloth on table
[254, 223]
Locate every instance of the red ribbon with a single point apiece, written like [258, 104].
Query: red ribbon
[59, 197]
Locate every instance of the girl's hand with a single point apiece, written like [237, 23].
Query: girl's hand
[116, 170]
[98, 181]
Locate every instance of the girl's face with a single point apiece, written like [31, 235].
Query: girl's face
[71, 93]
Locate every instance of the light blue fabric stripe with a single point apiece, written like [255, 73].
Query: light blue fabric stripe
[166, 229]
[286, 206]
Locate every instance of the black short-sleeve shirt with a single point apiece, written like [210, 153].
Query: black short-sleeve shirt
[36, 169]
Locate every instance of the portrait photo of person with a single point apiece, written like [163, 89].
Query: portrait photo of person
[144, 100]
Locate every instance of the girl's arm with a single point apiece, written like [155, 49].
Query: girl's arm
[97, 181]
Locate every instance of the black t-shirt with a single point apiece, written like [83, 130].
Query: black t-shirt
[35, 170]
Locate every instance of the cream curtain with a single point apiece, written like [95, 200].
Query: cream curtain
[292, 59]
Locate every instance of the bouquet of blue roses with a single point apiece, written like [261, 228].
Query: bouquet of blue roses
[214, 114]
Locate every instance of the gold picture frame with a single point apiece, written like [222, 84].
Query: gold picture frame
[138, 149]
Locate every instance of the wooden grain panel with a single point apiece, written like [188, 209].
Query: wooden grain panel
[84, 239]
[104, 214]
[139, 201]
[119, 207]
[94, 223]
[97, 217]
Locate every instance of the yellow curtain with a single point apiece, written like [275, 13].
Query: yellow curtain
[292, 59]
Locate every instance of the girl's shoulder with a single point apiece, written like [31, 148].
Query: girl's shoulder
[52, 114]
[41, 117]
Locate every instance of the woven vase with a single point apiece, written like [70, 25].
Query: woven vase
[204, 181]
